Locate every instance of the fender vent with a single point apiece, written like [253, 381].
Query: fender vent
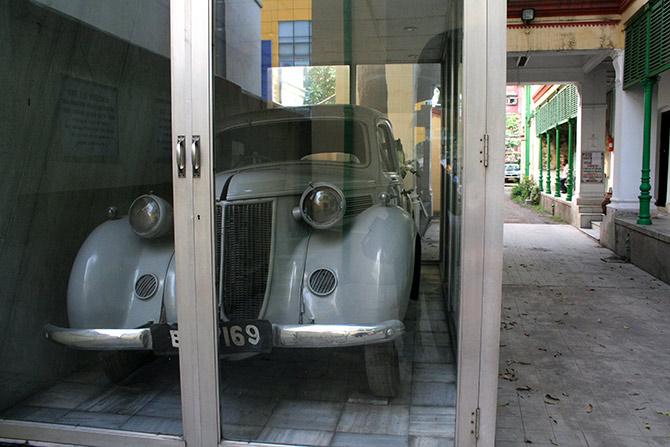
[322, 282]
[146, 286]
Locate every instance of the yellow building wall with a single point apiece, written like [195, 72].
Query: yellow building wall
[275, 11]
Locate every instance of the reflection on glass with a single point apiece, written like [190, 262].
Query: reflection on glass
[88, 130]
[326, 178]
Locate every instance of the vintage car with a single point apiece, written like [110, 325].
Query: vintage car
[316, 247]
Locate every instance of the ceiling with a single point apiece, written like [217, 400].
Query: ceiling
[382, 31]
[553, 8]
[554, 66]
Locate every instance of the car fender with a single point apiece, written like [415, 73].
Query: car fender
[372, 256]
[101, 290]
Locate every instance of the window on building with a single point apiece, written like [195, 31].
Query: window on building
[295, 43]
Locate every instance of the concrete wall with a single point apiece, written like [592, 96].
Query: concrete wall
[243, 44]
[580, 36]
[645, 248]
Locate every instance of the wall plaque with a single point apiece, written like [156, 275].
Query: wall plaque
[89, 120]
[592, 167]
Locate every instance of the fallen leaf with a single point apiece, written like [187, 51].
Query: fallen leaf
[589, 408]
[640, 408]
[551, 400]
[509, 374]
[647, 426]
[626, 327]
[524, 388]
[554, 442]
[664, 413]
[542, 349]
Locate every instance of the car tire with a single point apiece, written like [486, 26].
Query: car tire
[382, 367]
[416, 276]
[118, 365]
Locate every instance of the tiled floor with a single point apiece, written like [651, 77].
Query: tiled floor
[584, 345]
[430, 242]
[306, 397]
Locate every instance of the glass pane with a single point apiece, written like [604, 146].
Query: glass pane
[302, 28]
[332, 330]
[285, 29]
[86, 118]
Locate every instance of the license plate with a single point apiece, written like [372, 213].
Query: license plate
[234, 337]
[245, 336]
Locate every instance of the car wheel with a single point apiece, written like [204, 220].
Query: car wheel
[416, 277]
[118, 365]
[382, 368]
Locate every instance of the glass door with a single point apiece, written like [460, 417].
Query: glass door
[91, 216]
[330, 331]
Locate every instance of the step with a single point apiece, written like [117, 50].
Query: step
[595, 224]
[592, 233]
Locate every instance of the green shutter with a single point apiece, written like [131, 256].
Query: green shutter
[558, 110]
[647, 43]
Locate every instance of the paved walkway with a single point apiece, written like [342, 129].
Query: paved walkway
[520, 214]
[585, 350]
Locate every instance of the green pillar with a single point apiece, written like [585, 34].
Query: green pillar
[644, 216]
[548, 182]
[557, 182]
[527, 112]
[539, 138]
[571, 172]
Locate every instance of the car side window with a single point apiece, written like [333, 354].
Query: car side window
[386, 148]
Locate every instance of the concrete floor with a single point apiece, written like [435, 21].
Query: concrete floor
[584, 344]
[305, 397]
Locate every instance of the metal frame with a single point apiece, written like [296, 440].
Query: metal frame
[70, 434]
[481, 263]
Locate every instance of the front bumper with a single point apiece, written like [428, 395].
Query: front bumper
[284, 336]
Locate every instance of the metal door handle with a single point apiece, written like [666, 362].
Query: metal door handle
[195, 155]
[180, 154]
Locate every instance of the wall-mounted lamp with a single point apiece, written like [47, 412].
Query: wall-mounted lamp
[527, 16]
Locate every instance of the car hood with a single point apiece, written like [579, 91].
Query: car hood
[289, 179]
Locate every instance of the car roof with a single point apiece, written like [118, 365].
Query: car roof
[338, 111]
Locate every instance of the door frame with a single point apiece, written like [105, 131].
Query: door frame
[484, 52]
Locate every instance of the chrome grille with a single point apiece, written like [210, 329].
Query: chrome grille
[322, 282]
[357, 204]
[246, 244]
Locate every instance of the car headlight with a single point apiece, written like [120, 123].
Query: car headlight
[322, 205]
[150, 216]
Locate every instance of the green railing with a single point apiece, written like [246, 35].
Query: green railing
[558, 110]
[647, 50]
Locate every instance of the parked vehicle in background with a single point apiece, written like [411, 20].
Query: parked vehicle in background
[512, 172]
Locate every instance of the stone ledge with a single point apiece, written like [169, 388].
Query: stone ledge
[659, 229]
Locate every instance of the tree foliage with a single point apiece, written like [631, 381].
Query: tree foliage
[513, 134]
[320, 85]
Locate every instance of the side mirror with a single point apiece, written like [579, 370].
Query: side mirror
[399, 151]
[410, 166]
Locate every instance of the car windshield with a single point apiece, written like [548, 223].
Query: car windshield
[306, 140]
